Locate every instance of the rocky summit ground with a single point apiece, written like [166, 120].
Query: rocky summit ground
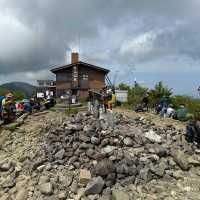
[121, 156]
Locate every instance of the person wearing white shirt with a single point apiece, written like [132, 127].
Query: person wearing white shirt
[170, 111]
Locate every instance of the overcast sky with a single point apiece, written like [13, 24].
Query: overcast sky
[151, 40]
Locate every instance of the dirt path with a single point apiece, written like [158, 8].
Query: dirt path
[25, 140]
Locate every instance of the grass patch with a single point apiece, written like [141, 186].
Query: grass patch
[11, 127]
[52, 109]
[71, 111]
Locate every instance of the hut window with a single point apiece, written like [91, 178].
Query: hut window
[84, 77]
[63, 77]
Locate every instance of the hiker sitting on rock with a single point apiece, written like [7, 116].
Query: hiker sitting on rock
[182, 114]
[170, 111]
[158, 109]
[164, 102]
[193, 130]
[161, 108]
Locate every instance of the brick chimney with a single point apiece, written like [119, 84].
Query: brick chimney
[74, 57]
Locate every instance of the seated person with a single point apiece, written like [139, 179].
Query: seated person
[193, 130]
[19, 107]
[27, 106]
[49, 102]
[164, 101]
[170, 111]
[158, 108]
[181, 113]
[163, 111]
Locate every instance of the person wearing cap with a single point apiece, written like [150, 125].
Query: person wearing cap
[7, 105]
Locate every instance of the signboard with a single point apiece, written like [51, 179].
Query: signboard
[40, 95]
[121, 95]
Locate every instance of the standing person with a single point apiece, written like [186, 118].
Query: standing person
[112, 101]
[96, 107]
[1, 108]
[7, 108]
[145, 101]
[105, 99]
[90, 99]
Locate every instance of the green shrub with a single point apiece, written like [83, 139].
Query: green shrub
[158, 92]
[19, 95]
[136, 93]
[3, 91]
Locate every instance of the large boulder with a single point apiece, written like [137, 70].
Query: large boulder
[95, 186]
[60, 154]
[153, 137]
[104, 168]
[108, 149]
[180, 159]
[46, 188]
[119, 195]
[128, 142]
[84, 177]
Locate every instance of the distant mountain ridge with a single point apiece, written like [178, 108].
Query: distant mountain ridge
[27, 88]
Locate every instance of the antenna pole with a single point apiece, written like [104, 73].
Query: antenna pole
[79, 44]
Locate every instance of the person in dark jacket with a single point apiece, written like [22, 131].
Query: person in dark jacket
[193, 130]
[1, 108]
[145, 102]
[105, 99]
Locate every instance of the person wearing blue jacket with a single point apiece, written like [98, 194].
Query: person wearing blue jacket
[1, 109]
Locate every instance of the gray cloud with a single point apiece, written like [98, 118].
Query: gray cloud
[35, 34]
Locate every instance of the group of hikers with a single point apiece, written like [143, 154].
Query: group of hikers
[166, 110]
[102, 101]
[10, 108]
